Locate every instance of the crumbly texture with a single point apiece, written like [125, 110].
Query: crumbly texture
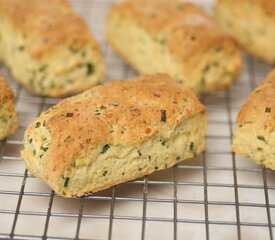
[8, 117]
[176, 38]
[254, 136]
[115, 133]
[251, 23]
[50, 51]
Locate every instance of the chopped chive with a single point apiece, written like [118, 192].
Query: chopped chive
[261, 138]
[105, 148]
[163, 115]
[30, 140]
[103, 108]
[139, 152]
[90, 68]
[66, 182]
[178, 158]
[149, 157]
[156, 168]
[44, 124]
[105, 173]
[42, 68]
[37, 124]
[191, 147]
[34, 152]
[69, 115]
[67, 139]
[21, 48]
[44, 148]
[268, 110]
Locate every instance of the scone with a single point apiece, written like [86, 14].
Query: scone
[8, 116]
[48, 48]
[254, 136]
[176, 38]
[251, 23]
[115, 133]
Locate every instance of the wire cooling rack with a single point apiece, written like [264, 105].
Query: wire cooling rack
[217, 195]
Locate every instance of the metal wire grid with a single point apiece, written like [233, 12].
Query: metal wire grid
[215, 196]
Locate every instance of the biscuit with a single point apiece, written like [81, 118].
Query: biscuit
[254, 136]
[48, 48]
[176, 38]
[251, 23]
[8, 116]
[115, 133]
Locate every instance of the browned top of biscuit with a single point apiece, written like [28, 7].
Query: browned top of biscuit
[118, 113]
[260, 106]
[46, 24]
[5, 90]
[267, 5]
[183, 27]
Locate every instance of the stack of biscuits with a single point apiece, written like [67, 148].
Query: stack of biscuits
[127, 129]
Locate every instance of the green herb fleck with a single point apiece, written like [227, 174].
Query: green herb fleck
[21, 48]
[105, 148]
[178, 158]
[69, 115]
[163, 115]
[44, 124]
[163, 141]
[149, 157]
[67, 139]
[156, 168]
[42, 68]
[66, 182]
[34, 152]
[268, 110]
[105, 173]
[44, 148]
[90, 68]
[37, 124]
[30, 141]
[191, 147]
[103, 108]
[261, 138]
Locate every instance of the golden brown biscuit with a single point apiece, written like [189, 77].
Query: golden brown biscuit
[251, 23]
[176, 38]
[115, 133]
[254, 136]
[48, 48]
[8, 116]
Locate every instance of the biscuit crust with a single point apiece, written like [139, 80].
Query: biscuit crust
[251, 24]
[176, 38]
[50, 51]
[144, 123]
[254, 136]
[8, 116]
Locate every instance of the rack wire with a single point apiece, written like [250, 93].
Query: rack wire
[217, 195]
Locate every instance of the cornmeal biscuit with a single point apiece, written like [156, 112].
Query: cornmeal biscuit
[176, 38]
[255, 134]
[251, 23]
[8, 117]
[48, 48]
[115, 133]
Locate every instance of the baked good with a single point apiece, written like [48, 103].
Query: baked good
[176, 38]
[251, 23]
[254, 136]
[115, 133]
[8, 117]
[48, 48]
